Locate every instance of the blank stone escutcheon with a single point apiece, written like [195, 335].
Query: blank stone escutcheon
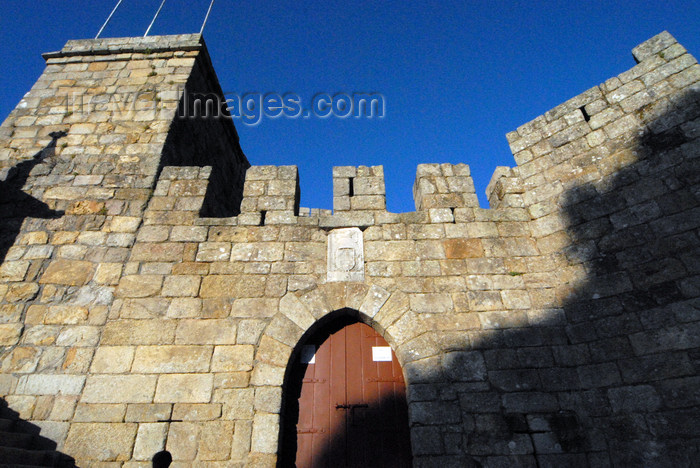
[346, 258]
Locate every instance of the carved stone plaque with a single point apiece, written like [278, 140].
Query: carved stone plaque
[346, 258]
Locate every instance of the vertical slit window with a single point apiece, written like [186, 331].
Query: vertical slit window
[586, 117]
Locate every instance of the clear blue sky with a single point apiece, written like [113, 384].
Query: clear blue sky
[456, 75]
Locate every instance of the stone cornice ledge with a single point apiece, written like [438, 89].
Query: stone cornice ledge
[120, 45]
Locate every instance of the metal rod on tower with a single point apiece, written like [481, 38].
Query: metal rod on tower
[206, 17]
[108, 18]
[154, 18]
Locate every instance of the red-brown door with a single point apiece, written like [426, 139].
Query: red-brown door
[352, 405]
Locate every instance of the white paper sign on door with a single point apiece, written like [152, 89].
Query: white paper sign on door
[381, 353]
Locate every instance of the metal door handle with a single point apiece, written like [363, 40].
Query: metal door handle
[310, 431]
[351, 407]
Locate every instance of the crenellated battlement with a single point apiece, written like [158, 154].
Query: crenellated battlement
[572, 144]
[444, 186]
[271, 197]
[359, 188]
[575, 143]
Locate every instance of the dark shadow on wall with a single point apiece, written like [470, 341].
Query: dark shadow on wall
[203, 134]
[611, 378]
[21, 444]
[636, 320]
[162, 459]
[16, 205]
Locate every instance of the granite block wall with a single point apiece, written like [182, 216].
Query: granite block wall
[154, 292]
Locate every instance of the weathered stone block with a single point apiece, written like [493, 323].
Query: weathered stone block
[124, 224]
[232, 358]
[100, 441]
[431, 303]
[139, 285]
[185, 307]
[184, 388]
[20, 360]
[10, 333]
[634, 399]
[433, 413]
[197, 411]
[182, 442]
[232, 286]
[143, 308]
[63, 314]
[530, 402]
[215, 440]
[99, 412]
[146, 412]
[108, 273]
[79, 336]
[209, 331]
[164, 359]
[496, 320]
[249, 331]
[265, 426]
[139, 332]
[463, 248]
[50, 384]
[465, 366]
[189, 233]
[21, 292]
[68, 272]
[150, 439]
[63, 408]
[213, 251]
[13, 312]
[652, 46]
[254, 307]
[267, 374]
[157, 252]
[426, 441]
[112, 359]
[119, 389]
[181, 285]
[273, 352]
[14, 270]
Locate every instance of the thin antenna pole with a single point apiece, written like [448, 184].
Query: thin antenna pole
[154, 18]
[206, 17]
[108, 18]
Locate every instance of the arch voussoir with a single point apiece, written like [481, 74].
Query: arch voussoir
[417, 348]
[334, 294]
[296, 311]
[393, 308]
[373, 301]
[355, 294]
[315, 302]
[284, 329]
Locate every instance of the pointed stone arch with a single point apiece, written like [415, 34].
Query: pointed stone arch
[387, 312]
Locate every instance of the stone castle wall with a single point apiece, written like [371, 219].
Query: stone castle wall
[558, 328]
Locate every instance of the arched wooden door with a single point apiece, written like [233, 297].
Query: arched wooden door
[352, 403]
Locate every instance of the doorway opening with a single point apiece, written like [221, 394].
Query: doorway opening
[345, 400]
